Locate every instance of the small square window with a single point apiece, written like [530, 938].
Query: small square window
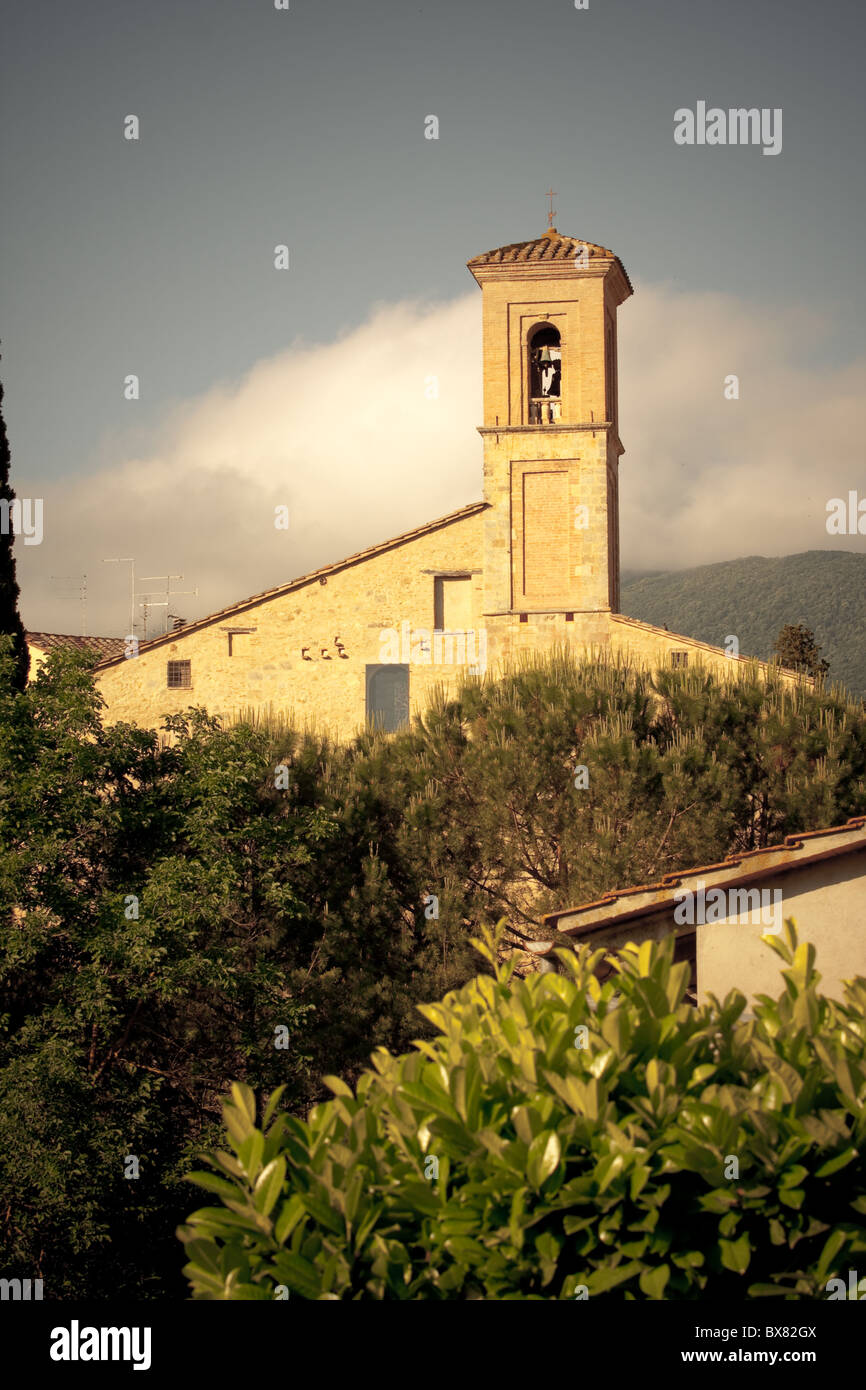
[679, 659]
[179, 675]
[569, 617]
[524, 617]
[452, 602]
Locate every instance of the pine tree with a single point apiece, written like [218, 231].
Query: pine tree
[797, 650]
[10, 618]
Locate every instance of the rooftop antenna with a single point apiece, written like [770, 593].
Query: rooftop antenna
[145, 604]
[127, 560]
[72, 586]
[169, 592]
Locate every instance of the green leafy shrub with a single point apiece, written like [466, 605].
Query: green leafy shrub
[517, 1156]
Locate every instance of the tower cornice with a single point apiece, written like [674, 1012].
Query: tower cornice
[551, 256]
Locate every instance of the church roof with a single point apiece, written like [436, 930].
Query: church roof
[321, 574]
[551, 246]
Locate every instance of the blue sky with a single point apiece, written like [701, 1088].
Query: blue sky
[306, 127]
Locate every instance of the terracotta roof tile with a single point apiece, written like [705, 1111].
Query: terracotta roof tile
[551, 246]
[100, 646]
[543, 248]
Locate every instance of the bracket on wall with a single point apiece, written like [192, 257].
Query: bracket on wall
[324, 654]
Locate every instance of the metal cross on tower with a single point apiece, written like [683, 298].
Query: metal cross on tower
[551, 195]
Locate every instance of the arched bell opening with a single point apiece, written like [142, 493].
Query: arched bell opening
[545, 375]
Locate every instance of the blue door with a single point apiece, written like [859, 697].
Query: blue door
[388, 697]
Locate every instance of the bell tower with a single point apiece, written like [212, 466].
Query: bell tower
[551, 436]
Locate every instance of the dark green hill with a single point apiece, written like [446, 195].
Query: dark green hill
[754, 597]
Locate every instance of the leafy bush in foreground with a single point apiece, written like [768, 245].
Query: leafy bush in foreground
[516, 1156]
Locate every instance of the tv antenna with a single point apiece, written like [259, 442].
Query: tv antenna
[151, 601]
[72, 586]
[145, 604]
[127, 560]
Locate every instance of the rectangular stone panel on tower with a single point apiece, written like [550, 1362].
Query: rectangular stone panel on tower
[544, 506]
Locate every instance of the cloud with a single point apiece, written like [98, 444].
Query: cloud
[705, 478]
[376, 433]
[361, 439]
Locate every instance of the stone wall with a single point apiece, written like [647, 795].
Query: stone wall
[308, 653]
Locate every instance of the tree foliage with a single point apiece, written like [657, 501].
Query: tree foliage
[10, 619]
[257, 904]
[561, 1139]
[797, 650]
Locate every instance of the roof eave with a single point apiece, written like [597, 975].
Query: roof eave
[798, 851]
[300, 582]
[598, 267]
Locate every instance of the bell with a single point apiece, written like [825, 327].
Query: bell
[544, 355]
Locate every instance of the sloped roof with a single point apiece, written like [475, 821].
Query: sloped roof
[472, 510]
[626, 904]
[551, 246]
[625, 621]
[99, 646]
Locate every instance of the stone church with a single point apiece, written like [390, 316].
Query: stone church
[533, 566]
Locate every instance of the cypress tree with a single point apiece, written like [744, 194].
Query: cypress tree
[10, 618]
[797, 650]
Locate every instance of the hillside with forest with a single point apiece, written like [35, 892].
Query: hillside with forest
[754, 597]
